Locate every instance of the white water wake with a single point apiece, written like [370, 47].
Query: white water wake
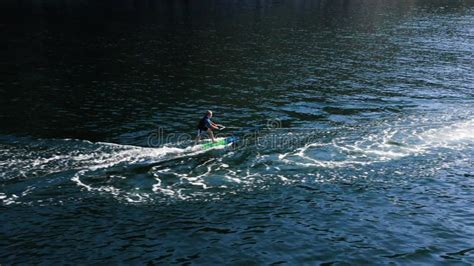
[388, 144]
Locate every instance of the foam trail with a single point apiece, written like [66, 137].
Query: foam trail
[81, 158]
[390, 144]
[133, 155]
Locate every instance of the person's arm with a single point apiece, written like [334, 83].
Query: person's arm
[210, 124]
[216, 126]
[213, 125]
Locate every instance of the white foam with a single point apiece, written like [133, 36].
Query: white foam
[380, 147]
[129, 155]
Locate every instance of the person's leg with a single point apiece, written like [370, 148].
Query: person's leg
[198, 137]
[209, 131]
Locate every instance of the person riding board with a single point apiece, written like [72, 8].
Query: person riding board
[206, 125]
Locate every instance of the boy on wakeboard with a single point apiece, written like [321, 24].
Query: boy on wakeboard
[206, 125]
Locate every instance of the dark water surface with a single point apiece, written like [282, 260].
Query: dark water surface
[356, 119]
